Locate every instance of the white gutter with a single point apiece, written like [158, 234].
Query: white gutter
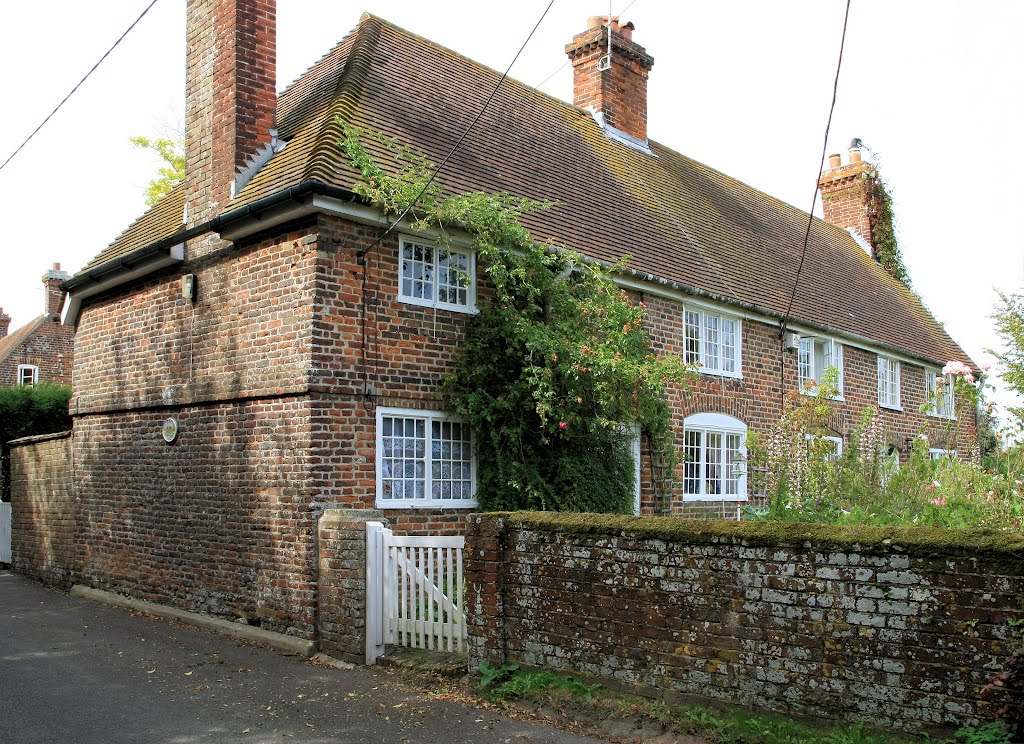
[175, 255]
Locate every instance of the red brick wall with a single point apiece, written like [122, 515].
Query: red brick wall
[409, 349]
[44, 524]
[874, 625]
[248, 334]
[222, 521]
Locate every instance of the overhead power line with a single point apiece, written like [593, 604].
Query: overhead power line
[821, 164]
[65, 99]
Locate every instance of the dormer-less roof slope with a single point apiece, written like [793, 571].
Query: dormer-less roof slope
[13, 342]
[681, 221]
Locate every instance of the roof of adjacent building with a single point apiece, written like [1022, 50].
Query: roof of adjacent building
[678, 219]
[12, 342]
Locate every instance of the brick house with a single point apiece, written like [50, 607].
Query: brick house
[297, 376]
[43, 349]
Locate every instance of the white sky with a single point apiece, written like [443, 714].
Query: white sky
[935, 88]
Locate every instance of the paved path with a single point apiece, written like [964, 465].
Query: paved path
[76, 672]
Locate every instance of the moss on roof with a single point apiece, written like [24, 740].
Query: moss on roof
[679, 219]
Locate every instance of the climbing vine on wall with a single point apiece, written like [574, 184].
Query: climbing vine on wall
[883, 230]
[556, 370]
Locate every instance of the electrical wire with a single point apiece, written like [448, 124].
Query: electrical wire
[821, 164]
[91, 71]
[810, 214]
[361, 255]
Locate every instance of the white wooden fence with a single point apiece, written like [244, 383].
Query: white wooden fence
[5, 532]
[414, 591]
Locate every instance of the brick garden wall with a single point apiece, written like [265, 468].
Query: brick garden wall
[896, 628]
[43, 534]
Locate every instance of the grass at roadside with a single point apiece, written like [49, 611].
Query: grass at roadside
[632, 718]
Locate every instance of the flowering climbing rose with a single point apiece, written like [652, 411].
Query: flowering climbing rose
[958, 369]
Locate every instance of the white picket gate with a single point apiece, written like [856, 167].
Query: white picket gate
[414, 589]
[5, 532]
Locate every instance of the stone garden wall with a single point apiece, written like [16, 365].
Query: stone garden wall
[897, 628]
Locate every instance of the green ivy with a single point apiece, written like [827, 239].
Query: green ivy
[883, 228]
[556, 368]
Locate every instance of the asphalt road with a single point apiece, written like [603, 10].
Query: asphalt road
[73, 671]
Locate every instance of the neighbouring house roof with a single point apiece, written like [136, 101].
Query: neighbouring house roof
[679, 219]
[11, 343]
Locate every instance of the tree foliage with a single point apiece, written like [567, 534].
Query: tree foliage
[171, 150]
[556, 368]
[1009, 318]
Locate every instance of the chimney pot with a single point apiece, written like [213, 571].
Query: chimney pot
[835, 160]
[854, 155]
[56, 266]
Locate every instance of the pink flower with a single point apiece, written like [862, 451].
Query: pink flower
[562, 425]
[642, 303]
[985, 366]
[939, 501]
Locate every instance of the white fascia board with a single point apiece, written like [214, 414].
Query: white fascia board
[174, 255]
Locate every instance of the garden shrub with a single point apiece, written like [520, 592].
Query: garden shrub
[27, 410]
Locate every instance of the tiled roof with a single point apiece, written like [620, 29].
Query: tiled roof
[678, 219]
[9, 344]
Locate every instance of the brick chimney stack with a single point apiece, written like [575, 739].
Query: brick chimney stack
[52, 280]
[230, 95]
[844, 194]
[618, 93]
[5, 323]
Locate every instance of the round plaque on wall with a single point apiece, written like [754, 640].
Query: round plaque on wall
[170, 430]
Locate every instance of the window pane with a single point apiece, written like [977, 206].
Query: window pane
[417, 271]
[453, 278]
[451, 468]
[713, 466]
[711, 343]
[728, 345]
[402, 468]
[691, 462]
[734, 465]
[692, 340]
[804, 360]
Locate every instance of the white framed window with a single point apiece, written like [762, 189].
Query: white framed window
[714, 458]
[815, 355]
[28, 374]
[889, 383]
[834, 448]
[436, 277]
[941, 454]
[424, 460]
[938, 390]
[714, 341]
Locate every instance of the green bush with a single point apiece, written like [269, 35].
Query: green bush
[26, 411]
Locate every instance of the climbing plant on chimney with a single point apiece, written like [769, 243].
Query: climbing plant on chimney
[556, 368]
[883, 230]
